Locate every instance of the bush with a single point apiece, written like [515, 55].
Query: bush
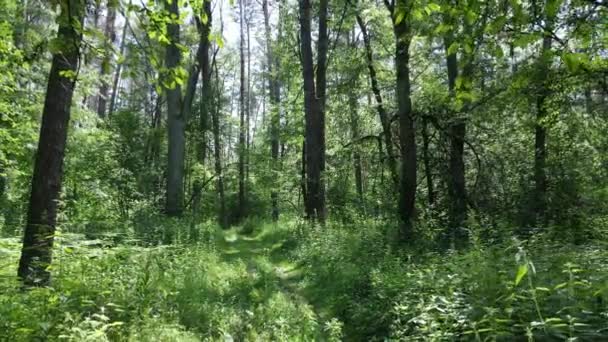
[504, 291]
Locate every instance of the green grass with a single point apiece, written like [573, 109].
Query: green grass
[292, 282]
[239, 287]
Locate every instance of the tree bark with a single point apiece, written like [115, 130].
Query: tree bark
[91, 18]
[176, 123]
[274, 91]
[110, 35]
[118, 70]
[456, 135]
[354, 127]
[218, 152]
[407, 132]
[179, 110]
[314, 107]
[248, 102]
[242, 110]
[427, 163]
[540, 138]
[384, 118]
[205, 68]
[540, 129]
[36, 254]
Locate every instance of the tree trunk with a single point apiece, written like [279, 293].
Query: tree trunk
[203, 61]
[427, 163]
[36, 254]
[248, 103]
[456, 135]
[218, 151]
[176, 123]
[93, 9]
[540, 129]
[353, 104]
[242, 110]
[119, 66]
[354, 127]
[407, 132]
[384, 118]
[110, 36]
[314, 107]
[275, 98]
[303, 174]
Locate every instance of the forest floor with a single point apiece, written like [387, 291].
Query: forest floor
[264, 244]
[235, 286]
[284, 283]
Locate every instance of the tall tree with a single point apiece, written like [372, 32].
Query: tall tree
[242, 113]
[217, 144]
[223, 220]
[178, 108]
[456, 135]
[274, 91]
[540, 130]
[314, 107]
[204, 27]
[400, 14]
[382, 114]
[176, 122]
[110, 36]
[248, 101]
[117, 72]
[36, 254]
[353, 106]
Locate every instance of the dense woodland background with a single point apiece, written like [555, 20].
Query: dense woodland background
[259, 170]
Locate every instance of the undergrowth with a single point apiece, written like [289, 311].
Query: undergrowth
[173, 292]
[536, 290]
[293, 282]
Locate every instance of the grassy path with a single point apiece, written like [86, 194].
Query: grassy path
[264, 248]
[265, 252]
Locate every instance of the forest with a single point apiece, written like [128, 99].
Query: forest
[303, 170]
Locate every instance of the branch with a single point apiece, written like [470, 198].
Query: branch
[362, 139]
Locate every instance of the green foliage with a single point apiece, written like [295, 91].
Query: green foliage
[485, 293]
[291, 281]
[167, 293]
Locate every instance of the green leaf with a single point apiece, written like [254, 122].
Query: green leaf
[470, 17]
[217, 39]
[521, 272]
[443, 28]
[525, 40]
[399, 17]
[433, 7]
[468, 48]
[453, 48]
[497, 25]
[553, 7]
[69, 74]
[574, 61]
